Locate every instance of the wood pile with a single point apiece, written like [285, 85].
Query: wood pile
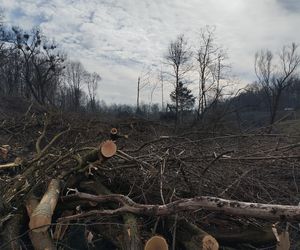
[79, 182]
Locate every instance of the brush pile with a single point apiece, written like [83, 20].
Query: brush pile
[72, 181]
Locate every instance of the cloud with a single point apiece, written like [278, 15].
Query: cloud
[118, 39]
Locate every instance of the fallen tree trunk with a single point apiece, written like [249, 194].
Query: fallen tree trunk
[39, 240]
[192, 237]
[230, 207]
[41, 216]
[251, 236]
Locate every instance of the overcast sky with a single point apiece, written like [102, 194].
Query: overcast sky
[120, 38]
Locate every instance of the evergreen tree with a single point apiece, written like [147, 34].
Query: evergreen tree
[186, 100]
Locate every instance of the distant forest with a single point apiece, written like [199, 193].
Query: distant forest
[34, 67]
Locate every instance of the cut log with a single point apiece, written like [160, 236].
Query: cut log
[113, 134]
[156, 243]
[192, 237]
[42, 214]
[257, 236]
[39, 240]
[108, 149]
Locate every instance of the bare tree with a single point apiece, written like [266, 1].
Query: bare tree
[161, 80]
[276, 77]
[92, 84]
[178, 57]
[143, 81]
[41, 61]
[210, 58]
[31, 66]
[218, 74]
[152, 88]
[75, 78]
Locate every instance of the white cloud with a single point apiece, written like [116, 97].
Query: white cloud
[118, 38]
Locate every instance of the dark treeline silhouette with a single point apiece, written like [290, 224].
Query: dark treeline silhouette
[253, 98]
[252, 106]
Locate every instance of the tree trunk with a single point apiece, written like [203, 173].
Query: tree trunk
[274, 109]
[39, 240]
[176, 96]
[192, 237]
[257, 236]
[138, 96]
[230, 207]
[41, 217]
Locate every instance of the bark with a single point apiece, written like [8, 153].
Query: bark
[105, 151]
[230, 207]
[39, 240]
[41, 216]
[131, 232]
[192, 237]
[250, 236]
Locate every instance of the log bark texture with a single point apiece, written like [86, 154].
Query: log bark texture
[42, 215]
[39, 240]
[250, 236]
[230, 207]
[192, 237]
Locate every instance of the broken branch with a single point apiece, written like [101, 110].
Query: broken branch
[231, 207]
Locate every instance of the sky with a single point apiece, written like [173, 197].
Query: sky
[122, 39]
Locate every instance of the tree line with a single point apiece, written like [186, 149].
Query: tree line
[34, 67]
[277, 78]
[206, 63]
